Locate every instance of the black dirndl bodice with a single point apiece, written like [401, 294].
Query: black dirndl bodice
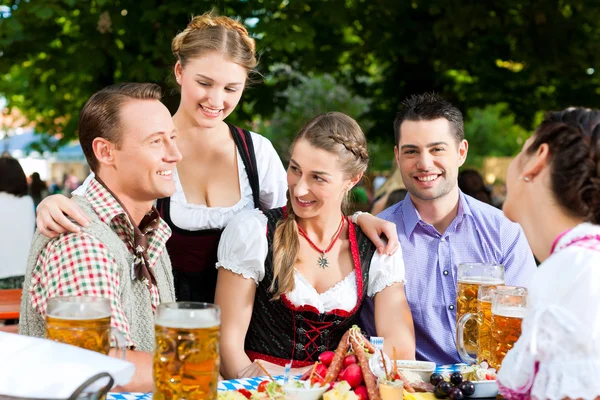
[280, 332]
[194, 253]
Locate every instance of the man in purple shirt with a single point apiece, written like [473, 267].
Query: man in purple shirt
[439, 227]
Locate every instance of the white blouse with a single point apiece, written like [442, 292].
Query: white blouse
[18, 222]
[561, 330]
[273, 186]
[243, 249]
[272, 181]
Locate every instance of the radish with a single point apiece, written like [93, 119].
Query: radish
[353, 375]
[362, 392]
[321, 370]
[341, 375]
[349, 360]
[326, 357]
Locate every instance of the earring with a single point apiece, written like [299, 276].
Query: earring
[526, 178]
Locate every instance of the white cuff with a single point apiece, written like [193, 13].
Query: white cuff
[356, 215]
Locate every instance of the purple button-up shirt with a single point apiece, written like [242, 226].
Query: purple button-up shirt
[479, 233]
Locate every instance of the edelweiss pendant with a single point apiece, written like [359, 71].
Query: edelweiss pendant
[322, 261]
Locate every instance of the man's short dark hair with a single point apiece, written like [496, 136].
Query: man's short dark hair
[427, 107]
[100, 115]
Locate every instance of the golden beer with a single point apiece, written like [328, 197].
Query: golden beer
[484, 309]
[91, 334]
[186, 357]
[82, 321]
[466, 302]
[505, 331]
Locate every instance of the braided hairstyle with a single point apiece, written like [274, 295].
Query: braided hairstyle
[209, 33]
[573, 136]
[341, 136]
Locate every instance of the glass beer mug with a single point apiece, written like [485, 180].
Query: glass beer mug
[471, 276]
[483, 318]
[186, 356]
[508, 309]
[82, 321]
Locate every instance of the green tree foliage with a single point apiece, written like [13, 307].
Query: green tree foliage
[491, 131]
[530, 54]
[310, 96]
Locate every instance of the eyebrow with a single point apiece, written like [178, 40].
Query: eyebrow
[160, 133]
[430, 145]
[212, 80]
[313, 172]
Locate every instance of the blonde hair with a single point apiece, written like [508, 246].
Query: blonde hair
[341, 136]
[209, 33]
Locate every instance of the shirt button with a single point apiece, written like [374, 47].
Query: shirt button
[451, 307]
[443, 239]
[446, 272]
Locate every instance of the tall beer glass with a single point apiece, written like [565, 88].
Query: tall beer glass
[186, 357]
[483, 317]
[470, 277]
[82, 321]
[508, 309]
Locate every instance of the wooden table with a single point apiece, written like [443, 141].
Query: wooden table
[10, 303]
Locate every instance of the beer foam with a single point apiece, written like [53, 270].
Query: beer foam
[77, 311]
[481, 280]
[510, 312]
[188, 319]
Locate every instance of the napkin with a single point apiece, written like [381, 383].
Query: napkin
[39, 368]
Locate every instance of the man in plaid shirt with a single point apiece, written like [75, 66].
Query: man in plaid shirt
[128, 138]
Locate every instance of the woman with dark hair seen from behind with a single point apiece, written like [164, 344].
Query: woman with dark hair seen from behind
[553, 191]
[18, 222]
[224, 169]
[37, 188]
[471, 183]
[292, 293]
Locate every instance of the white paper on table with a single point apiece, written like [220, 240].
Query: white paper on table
[40, 368]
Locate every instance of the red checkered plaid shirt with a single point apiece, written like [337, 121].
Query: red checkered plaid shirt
[78, 264]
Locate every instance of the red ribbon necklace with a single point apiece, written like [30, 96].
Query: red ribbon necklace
[322, 262]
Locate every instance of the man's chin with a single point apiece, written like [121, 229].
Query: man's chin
[425, 195]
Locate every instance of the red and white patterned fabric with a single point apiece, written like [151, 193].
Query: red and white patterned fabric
[78, 264]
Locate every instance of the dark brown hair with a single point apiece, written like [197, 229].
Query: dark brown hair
[427, 107]
[100, 115]
[341, 136]
[573, 138]
[12, 177]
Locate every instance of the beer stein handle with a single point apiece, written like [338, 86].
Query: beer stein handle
[120, 343]
[460, 337]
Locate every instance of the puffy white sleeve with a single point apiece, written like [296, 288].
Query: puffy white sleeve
[271, 173]
[243, 246]
[80, 191]
[385, 271]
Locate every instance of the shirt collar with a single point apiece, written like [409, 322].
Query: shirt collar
[104, 203]
[411, 216]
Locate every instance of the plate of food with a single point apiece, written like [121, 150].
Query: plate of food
[475, 381]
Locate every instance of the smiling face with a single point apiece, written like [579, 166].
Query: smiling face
[142, 165]
[429, 156]
[316, 183]
[211, 88]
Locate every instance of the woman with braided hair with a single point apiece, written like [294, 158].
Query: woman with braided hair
[224, 169]
[553, 191]
[292, 293]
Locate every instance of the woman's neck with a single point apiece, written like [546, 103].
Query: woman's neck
[543, 225]
[189, 131]
[321, 228]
